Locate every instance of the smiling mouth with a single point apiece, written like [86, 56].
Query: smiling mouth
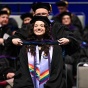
[39, 30]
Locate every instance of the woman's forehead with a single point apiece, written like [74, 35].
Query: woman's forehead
[39, 22]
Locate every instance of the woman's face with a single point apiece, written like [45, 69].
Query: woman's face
[39, 28]
[66, 20]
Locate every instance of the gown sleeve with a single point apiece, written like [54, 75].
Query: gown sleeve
[57, 75]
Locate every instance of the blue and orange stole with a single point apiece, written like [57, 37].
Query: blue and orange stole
[39, 70]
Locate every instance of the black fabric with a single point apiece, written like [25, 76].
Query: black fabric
[75, 21]
[3, 30]
[57, 76]
[13, 23]
[40, 18]
[3, 12]
[5, 68]
[60, 31]
[38, 5]
[4, 63]
[62, 3]
[25, 15]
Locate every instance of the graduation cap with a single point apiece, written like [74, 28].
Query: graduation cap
[62, 3]
[4, 12]
[38, 5]
[25, 15]
[40, 18]
[6, 6]
[63, 14]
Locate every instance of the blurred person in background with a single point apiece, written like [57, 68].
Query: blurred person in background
[63, 7]
[6, 71]
[71, 60]
[66, 19]
[26, 18]
[12, 21]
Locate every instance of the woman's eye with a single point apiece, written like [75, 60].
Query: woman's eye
[35, 25]
[42, 25]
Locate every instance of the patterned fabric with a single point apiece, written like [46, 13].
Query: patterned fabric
[39, 70]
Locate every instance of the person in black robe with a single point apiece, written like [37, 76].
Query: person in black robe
[12, 21]
[5, 30]
[58, 30]
[84, 46]
[26, 18]
[6, 72]
[66, 19]
[63, 7]
[40, 32]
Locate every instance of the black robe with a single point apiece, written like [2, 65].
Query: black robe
[60, 31]
[75, 21]
[57, 30]
[4, 62]
[23, 78]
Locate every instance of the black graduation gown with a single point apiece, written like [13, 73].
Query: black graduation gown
[84, 47]
[4, 63]
[7, 29]
[23, 79]
[3, 30]
[13, 22]
[22, 33]
[5, 68]
[75, 21]
[60, 31]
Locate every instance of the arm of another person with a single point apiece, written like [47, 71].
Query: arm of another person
[9, 73]
[21, 34]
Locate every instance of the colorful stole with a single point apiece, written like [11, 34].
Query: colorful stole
[39, 70]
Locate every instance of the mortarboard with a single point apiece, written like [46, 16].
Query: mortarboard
[4, 12]
[23, 16]
[40, 18]
[38, 5]
[6, 6]
[62, 3]
[63, 14]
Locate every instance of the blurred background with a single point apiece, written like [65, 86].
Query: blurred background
[79, 7]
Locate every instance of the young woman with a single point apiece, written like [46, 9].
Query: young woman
[40, 66]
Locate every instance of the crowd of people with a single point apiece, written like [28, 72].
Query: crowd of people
[44, 52]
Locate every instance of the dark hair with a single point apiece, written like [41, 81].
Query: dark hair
[46, 36]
